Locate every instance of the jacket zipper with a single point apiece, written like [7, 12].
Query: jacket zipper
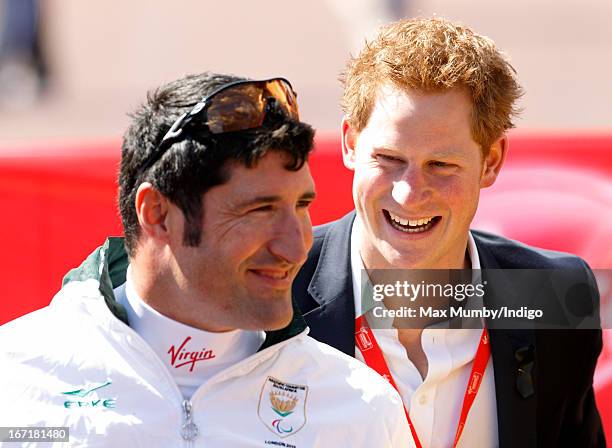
[189, 430]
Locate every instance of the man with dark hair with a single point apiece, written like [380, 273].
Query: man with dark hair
[186, 331]
[427, 105]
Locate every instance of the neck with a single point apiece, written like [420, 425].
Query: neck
[408, 288]
[457, 258]
[192, 355]
[158, 288]
[373, 259]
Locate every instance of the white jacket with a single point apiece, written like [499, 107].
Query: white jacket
[76, 364]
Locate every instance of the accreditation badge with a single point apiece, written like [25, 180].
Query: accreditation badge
[282, 406]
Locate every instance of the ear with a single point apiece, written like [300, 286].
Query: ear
[494, 161]
[349, 143]
[152, 211]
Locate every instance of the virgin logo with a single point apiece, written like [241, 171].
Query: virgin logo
[182, 357]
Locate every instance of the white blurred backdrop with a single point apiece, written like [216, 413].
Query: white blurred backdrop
[103, 55]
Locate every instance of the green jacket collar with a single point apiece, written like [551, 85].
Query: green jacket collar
[108, 265]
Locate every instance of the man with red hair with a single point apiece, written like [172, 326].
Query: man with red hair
[426, 106]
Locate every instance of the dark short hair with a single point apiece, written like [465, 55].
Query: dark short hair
[189, 168]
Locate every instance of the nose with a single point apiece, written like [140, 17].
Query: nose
[412, 188]
[292, 238]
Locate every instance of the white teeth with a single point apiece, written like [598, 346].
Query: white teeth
[410, 222]
[398, 220]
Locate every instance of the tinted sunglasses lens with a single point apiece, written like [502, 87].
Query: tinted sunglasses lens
[236, 109]
[243, 106]
[283, 93]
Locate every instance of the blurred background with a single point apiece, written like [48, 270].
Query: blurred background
[71, 71]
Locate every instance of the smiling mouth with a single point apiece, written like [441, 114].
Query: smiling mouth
[271, 274]
[274, 278]
[411, 226]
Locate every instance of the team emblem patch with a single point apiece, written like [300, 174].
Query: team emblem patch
[282, 406]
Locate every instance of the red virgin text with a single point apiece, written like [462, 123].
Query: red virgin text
[182, 357]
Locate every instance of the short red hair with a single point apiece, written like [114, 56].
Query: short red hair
[432, 55]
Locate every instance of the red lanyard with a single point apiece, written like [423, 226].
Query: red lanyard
[373, 356]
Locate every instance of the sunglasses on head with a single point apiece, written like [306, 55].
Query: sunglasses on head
[237, 106]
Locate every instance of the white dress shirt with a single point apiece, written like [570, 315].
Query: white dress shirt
[434, 404]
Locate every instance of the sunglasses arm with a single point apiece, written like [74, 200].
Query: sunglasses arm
[176, 129]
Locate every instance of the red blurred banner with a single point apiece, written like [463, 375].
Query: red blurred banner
[59, 203]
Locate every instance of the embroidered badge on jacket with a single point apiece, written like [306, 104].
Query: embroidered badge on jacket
[282, 406]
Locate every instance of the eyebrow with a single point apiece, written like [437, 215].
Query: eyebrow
[435, 154]
[450, 153]
[309, 195]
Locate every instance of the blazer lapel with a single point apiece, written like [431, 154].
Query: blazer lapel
[513, 353]
[332, 288]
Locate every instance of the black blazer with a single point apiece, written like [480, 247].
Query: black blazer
[543, 378]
